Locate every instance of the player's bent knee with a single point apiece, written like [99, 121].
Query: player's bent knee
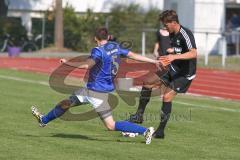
[150, 83]
[110, 127]
[147, 83]
[65, 104]
[148, 86]
[167, 97]
[109, 123]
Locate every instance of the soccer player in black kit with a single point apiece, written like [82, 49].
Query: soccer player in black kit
[177, 77]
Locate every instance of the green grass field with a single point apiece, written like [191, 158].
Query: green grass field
[200, 127]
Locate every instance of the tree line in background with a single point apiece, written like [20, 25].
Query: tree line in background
[126, 23]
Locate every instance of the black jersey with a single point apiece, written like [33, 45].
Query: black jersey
[182, 42]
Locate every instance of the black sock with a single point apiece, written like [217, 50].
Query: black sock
[144, 99]
[165, 115]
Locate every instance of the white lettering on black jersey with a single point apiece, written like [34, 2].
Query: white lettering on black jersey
[182, 42]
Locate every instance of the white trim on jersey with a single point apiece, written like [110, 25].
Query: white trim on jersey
[185, 35]
[191, 77]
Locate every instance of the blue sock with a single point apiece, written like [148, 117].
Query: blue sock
[53, 114]
[126, 126]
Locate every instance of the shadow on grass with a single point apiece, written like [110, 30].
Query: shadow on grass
[96, 138]
[72, 136]
[78, 136]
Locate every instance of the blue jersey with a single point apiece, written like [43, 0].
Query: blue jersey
[107, 59]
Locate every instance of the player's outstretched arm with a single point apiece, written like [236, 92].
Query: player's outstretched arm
[89, 63]
[159, 63]
[141, 58]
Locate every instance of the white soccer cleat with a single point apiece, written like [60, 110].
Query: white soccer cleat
[148, 135]
[128, 134]
[38, 116]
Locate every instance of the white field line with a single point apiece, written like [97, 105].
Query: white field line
[201, 95]
[214, 92]
[205, 106]
[208, 107]
[138, 89]
[24, 80]
[216, 86]
[218, 77]
[44, 83]
[215, 81]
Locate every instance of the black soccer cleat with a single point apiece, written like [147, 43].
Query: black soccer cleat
[158, 135]
[136, 118]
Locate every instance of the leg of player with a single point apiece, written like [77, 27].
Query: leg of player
[56, 112]
[145, 94]
[103, 109]
[125, 126]
[165, 113]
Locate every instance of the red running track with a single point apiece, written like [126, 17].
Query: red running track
[214, 83]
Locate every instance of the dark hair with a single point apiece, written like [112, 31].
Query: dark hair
[101, 33]
[168, 16]
[112, 38]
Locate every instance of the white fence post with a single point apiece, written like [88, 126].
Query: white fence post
[206, 50]
[143, 43]
[237, 43]
[43, 31]
[224, 51]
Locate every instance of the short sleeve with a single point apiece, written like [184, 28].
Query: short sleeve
[188, 38]
[123, 51]
[96, 54]
[192, 40]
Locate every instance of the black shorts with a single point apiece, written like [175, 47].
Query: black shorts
[175, 81]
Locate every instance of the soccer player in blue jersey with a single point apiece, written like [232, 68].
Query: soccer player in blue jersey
[103, 64]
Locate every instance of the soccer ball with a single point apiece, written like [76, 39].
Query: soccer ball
[128, 134]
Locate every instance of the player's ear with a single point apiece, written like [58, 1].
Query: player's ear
[95, 39]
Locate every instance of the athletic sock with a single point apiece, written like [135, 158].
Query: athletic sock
[165, 115]
[125, 126]
[53, 114]
[144, 99]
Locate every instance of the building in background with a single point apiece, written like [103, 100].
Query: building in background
[28, 9]
[208, 19]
